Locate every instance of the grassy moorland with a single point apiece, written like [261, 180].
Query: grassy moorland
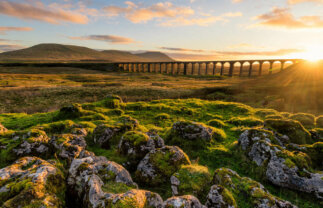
[31, 89]
[226, 119]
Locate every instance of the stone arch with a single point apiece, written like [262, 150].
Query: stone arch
[236, 68]
[266, 67]
[225, 68]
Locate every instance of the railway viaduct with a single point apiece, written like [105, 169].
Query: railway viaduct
[181, 67]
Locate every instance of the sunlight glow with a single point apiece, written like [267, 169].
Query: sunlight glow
[312, 53]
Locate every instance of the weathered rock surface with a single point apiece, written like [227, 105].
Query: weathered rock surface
[220, 197]
[186, 201]
[283, 168]
[191, 180]
[136, 145]
[32, 143]
[158, 165]
[192, 130]
[2, 129]
[97, 182]
[103, 134]
[255, 192]
[31, 181]
[293, 129]
[69, 146]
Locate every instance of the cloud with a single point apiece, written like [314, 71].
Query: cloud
[182, 49]
[4, 30]
[292, 2]
[280, 52]
[53, 14]
[166, 13]
[9, 47]
[237, 1]
[106, 38]
[283, 18]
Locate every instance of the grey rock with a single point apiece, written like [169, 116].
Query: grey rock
[192, 130]
[186, 201]
[216, 198]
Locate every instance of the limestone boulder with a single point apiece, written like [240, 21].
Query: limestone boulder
[136, 145]
[186, 201]
[32, 182]
[228, 182]
[159, 165]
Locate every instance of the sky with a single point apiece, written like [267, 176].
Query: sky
[184, 29]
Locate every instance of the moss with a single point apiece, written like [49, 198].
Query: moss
[293, 129]
[246, 121]
[87, 124]
[315, 152]
[194, 180]
[126, 122]
[135, 137]
[95, 117]
[219, 135]
[112, 101]
[289, 163]
[216, 123]
[265, 112]
[162, 116]
[115, 187]
[307, 120]
[319, 122]
[285, 114]
[70, 111]
[274, 117]
[117, 112]
[59, 127]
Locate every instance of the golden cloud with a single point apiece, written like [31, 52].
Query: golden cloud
[106, 38]
[3, 30]
[40, 12]
[283, 18]
[166, 13]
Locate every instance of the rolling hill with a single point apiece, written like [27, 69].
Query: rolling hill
[58, 52]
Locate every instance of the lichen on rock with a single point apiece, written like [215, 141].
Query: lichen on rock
[158, 165]
[33, 182]
[186, 201]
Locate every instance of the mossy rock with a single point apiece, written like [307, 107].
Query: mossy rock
[24, 188]
[216, 123]
[319, 122]
[193, 180]
[162, 116]
[266, 112]
[293, 129]
[59, 127]
[315, 151]
[245, 191]
[246, 121]
[317, 134]
[127, 123]
[307, 120]
[95, 117]
[274, 117]
[71, 111]
[112, 101]
[286, 114]
[157, 166]
[219, 196]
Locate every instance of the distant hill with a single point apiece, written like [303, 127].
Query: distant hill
[155, 56]
[58, 52]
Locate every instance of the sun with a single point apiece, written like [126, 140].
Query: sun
[312, 53]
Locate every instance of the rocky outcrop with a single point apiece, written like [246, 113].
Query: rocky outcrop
[256, 195]
[191, 179]
[32, 143]
[97, 182]
[192, 130]
[220, 197]
[293, 129]
[103, 134]
[282, 167]
[32, 182]
[158, 165]
[136, 145]
[69, 146]
[2, 129]
[186, 201]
